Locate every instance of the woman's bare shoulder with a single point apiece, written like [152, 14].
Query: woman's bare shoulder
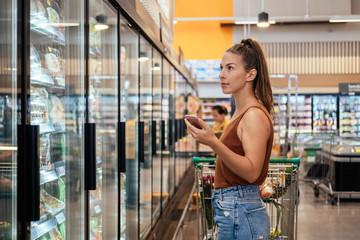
[255, 120]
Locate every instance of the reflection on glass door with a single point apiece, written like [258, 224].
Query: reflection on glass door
[145, 62]
[103, 95]
[156, 165]
[171, 130]
[129, 40]
[179, 114]
[56, 104]
[8, 120]
[165, 133]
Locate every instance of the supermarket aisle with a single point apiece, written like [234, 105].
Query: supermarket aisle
[318, 220]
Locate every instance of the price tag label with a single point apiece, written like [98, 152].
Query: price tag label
[60, 171]
[97, 209]
[60, 218]
[200, 189]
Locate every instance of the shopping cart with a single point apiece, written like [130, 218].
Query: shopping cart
[309, 148]
[281, 205]
[204, 177]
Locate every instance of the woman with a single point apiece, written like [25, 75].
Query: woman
[219, 113]
[243, 151]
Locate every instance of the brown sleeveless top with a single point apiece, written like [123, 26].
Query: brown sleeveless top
[224, 177]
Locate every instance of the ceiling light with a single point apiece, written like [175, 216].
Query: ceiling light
[338, 19]
[143, 57]
[245, 22]
[156, 67]
[101, 22]
[263, 20]
[64, 24]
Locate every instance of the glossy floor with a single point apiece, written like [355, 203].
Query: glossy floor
[319, 219]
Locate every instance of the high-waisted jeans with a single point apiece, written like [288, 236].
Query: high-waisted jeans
[240, 214]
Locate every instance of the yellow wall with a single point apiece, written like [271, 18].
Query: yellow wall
[202, 39]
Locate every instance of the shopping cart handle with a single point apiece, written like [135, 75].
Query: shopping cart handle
[296, 161]
[285, 160]
[197, 160]
[313, 148]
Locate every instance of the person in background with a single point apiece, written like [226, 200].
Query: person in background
[244, 148]
[219, 114]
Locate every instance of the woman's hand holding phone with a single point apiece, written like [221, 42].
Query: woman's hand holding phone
[193, 120]
[199, 130]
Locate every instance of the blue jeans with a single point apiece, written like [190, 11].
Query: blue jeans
[240, 214]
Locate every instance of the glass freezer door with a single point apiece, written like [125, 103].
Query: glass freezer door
[8, 120]
[146, 100]
[103, 111]
[156, 159]
[165, 116]
[129, 40]
[56, 105]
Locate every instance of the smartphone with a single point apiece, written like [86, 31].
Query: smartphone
[193, 120]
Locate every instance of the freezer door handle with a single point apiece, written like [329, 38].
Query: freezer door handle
[170, 132]
[122, 147]
[90, 156]
[176, 130]
[29, 173]
[141, 142]
[162, 135]
[153, 137]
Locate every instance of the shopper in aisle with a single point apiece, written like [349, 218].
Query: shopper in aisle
[219, 114]
[243, 151]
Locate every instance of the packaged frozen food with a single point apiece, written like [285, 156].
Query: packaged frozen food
[55, 234]
[42, 210]
[52, 63]
[61, 189]
[37, 11]
[57, 112]
[55, 14]
[5, 185]
[51, 204]
[45, 158]
[62, 229]
[35, 61]
[38, 105]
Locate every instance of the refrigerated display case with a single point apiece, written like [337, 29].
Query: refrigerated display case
[324, 113]
[103, 112]
[80, 67]
[165, 148]
[349, 116]
[146, 108]
[157, 134]
[55, 81]
[8, 120]
[300, 120]
[129, 85]
[279, 120]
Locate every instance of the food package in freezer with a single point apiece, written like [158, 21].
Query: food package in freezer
[39, 105]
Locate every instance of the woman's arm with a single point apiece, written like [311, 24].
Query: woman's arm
[253, 131]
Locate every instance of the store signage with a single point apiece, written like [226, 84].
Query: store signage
[349, 88]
